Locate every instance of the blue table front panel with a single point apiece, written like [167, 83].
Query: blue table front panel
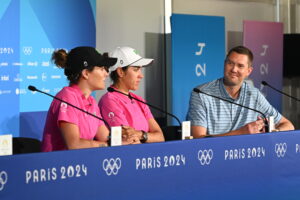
[265, 166]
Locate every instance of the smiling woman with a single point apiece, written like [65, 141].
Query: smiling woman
[67, 127]
[138, 124]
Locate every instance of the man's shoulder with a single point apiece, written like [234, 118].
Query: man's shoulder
[209, 86]
[250, 88]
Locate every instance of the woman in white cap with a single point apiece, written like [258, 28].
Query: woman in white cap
[120, 107]
[70, 128]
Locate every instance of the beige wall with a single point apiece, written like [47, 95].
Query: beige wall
[129, 23]
[233, 11]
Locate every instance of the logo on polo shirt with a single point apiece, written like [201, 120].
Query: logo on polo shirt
[111, 114]
[63, 107]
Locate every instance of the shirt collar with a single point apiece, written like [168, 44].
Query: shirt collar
[225, 94]
[124, 97]
[87, 100]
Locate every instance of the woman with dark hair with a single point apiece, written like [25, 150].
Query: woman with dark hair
[70, 128]
[118, 110]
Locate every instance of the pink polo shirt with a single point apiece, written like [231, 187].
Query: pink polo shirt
[58, 111]
[118, 109]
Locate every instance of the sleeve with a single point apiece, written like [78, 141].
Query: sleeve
[147, 112]
[98, 113]
[267, 108]
[146, 109]
[197, 111]
[66, 112]
[112, 112]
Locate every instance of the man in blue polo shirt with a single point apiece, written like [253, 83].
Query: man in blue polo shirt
[212, 116]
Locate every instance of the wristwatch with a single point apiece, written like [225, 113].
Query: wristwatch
[144, 137]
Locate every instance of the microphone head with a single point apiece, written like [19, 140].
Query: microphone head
[197, 90]
[32, 88]
[110, 89]
[264, 83]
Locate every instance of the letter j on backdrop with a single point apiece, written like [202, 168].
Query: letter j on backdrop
[198, 51]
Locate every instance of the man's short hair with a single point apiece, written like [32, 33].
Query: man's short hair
[242, 50]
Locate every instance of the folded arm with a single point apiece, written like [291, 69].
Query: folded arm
[71, 135]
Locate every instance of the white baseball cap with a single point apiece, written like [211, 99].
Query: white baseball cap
[128, 56]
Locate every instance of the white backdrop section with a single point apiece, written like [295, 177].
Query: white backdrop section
[131, 23]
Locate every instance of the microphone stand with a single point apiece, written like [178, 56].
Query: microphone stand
[266, 84]
[34, 89]
[177, 130]
[110, 89]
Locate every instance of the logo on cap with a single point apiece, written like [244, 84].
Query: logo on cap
[85, 63]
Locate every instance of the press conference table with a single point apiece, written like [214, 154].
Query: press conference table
[265, 166]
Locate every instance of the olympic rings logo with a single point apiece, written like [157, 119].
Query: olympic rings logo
[27, 50]
[111, 166]
[280, 149]
[3, 179]
[205, 156]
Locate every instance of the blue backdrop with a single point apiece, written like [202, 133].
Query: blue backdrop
[198, 51]
[30, 31]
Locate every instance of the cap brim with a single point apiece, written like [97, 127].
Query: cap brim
[142, 62]
[108, 62]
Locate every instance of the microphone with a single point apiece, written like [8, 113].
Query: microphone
[34, 89]
[265, 118]
[266, 84]
[110, 89]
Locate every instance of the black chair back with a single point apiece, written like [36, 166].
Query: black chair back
[172, 133]
[26, 145]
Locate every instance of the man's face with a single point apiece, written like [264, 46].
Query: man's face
[236, 69]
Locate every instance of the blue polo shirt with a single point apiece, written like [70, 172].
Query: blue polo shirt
[219, 116]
